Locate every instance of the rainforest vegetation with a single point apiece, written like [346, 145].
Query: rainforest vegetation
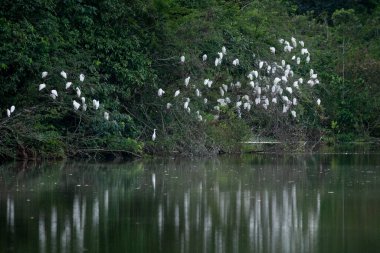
[128, 50]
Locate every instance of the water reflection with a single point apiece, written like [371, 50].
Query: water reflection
[249, 204]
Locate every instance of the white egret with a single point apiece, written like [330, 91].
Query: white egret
[318, 101]
[205, 100]
[68, 84]
[255, 73]
[54, 94]
[294, 114]
[44, 74]
[81, 77]
[261, 64]
[76, 105]
[308, 59]
[224, 50]
[209, 83]
[284, 108]
[304, 51]
[311, 83]
[294, 57]
[289, 89]
[314, 76]
[13, 108]
[78, 92]
[225, 87]
[186, 104]
[300, 80]
[205, 82]
[204, 57]
[182, 58]
[295, 101]
[221, 91]
[250, 76]
[160, 92]
[154, 135]
[187, 80]
[276, 81]
[272, 50]
[301, 43]
[220, 55]
[295, 85]
[8, 113]
[63, 74]
[41, 86]
[294, 42]
[168, 106]
[95, 104]
[235, 62]
[106, 116]
[176, 93]
[283, 63]
[252, 84]
[83, 99]
[281, 41]
[298, 60]
[274, 100]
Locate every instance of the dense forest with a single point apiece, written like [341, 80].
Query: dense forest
[130, 53]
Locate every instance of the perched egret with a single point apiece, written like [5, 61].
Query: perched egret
[68, 84]
[272, 50]
[106, 116]
[204, 57]
[276, 81]
[63, 74]
[274, 100]
[83, 99]
[8, 112]
[197, 93]
[84, 107]
[44, 74]
[168, 106]
[289, 89]
[95, 104]
[187, 80]
[154, 135]
[81, 77]
[54, 94]
[255, 73]
[283, 63]
[298, 60]
[301, 43]
[41, 86]
[293, 57]
[160, 92]
[176, 93]
[318, 101]
[295, 101]
[221, 91]
[295, 85]
[205, 100]
[13, 108]
[186, 104]
[182, 59]
[294, 42]
[308, 59]
[78, 92]
[76, 105]
[294, 114]
[281, 41]
[250, 76]
[235, 62]
[261, 64]
[300, 80]
[224, 50]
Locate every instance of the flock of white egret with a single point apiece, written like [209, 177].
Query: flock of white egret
[268, 83]
[54, 94]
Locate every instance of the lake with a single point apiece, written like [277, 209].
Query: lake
[249, 203]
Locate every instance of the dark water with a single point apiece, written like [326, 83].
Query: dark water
[255, 203]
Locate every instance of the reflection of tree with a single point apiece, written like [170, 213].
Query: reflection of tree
[270, 204]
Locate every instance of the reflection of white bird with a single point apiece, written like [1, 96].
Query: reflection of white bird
[154, 135]
[63, 74]
[76, 105]
[44, 74]
[41, 86]
[106, 116]
[81, 77]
